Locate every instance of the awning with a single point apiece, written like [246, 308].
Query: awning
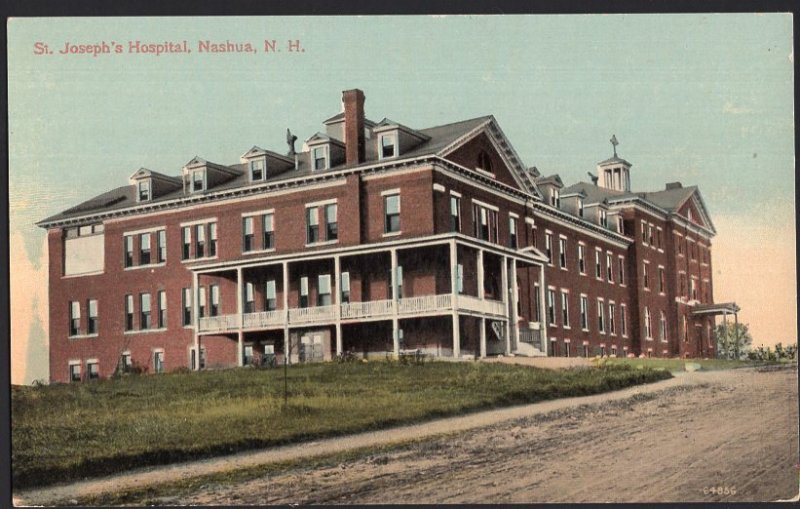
[723, 308]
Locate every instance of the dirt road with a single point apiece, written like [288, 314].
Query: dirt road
[671, 441]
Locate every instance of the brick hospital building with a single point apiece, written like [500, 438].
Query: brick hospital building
[376, 238]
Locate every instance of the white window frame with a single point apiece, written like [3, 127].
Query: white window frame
[395, 144]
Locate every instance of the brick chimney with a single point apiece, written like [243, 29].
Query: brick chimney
[353, 126]
[673, 185]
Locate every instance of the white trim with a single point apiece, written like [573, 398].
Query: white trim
[514, 215]
[144, 331]
[392, 234]
[148, 266]
[439, 188]
[325, 242]
[154, 229]
[203, 259]
[196, 222]
[484, 172]
[390, 191]
[321, 203]
[529, 220]
[93, 273]
[485, 205]
[455, 193]
[258, 213]
[73, 362]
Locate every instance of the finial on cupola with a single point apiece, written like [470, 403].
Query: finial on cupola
[614, 142]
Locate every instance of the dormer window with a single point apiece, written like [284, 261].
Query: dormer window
[257, 170]
[198, 181]
[603, 218]
[388, 146]
[484, 162]
[144, 190]
[555, 198]
[320, 156]
[580, 207]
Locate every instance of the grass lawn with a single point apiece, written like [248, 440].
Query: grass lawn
[67, 432]
[677, 365]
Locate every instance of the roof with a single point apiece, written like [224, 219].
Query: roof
[593, 194]
[613, 160]
[670, 199]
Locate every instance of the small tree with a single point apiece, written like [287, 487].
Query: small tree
[733, 340]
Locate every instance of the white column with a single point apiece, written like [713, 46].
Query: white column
[239, 311]
[480, 274]
[454, 293]
[285, 267]
[395, 298]
[542, 312]
[196, 319]
[514, 335]
[483, 337]
[337, 270]
[504, 291]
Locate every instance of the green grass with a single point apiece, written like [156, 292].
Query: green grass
[67, 432]
[678, 365]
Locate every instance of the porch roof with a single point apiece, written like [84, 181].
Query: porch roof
[722, 308]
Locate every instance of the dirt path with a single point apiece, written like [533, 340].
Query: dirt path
[660, 442]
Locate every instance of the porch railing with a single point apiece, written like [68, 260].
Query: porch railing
[312, 314]
[223, 323]
[488, 306]
[531, 336]
[263, 319]
[424, 304]
[367, 309]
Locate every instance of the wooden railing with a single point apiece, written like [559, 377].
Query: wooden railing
[312, 314]
[367, 309]
[263, 319]
[488, 306]
[424, 304]
[531, 336]
[224, 323]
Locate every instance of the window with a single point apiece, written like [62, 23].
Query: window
[345, 287]
[648, 331]
[621, 270]
[455, 214]
[144, 190]
[91, 326]
[331, 225]
[644, 233]
[460, 278]
[74, 318]
[269, 231]
[685, 329]
[270, 297]
[484, 161]
[682, 284]
[658, 238]
[158, 361]
[485, 221]
[609, 268]
[512, 232]
[398, 281]
[144, 313]
[388, 144]
[536, 303]
[580, 210]
[248, 355]
[693, 288]
[187, 306]
[257, 172]
[601, 316]
[586, 350]
[650, 235]
[162, 309]
[93, 369]
[620, 226]
[161, 246]
[584, 312]
[555, 198]
[645, 275]
[391, 208]
[249, 298]
[129, 312]
[324, 290]
[144, 249]
[612, 328]
[214, 308]
[200, 241]
[548, 247]
[212, 239]
[551, 307]
[201, 302]
[582, 258]
[603, 218]
[125, 362]
[187, 242]
[565, 309]
[566, 348]
[623, 320]
[312, 225]
[320, 158]
[662, 281]
[598, 265]
[304, 292]
[247, 234]
[75, 372]
[662, 327]
[562, 253]
[128, 241]
[198, 181]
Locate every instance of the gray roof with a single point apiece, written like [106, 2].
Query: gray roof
[612, 160]
[123, 197]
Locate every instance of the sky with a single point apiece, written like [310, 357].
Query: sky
[702, 99]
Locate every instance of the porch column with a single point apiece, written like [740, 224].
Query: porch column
[504, 291]
[395, 299]
[483, 337]
[285, 270]
[542, 312]
[480, 274]
[239, 311]
[337, 270]
[736, 332]
[454, 298]
[196, 321]
[513, 326]
[725, 322]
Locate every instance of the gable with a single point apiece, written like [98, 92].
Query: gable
[692, 211]
[468, 154]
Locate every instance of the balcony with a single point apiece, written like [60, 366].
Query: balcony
[405, 308]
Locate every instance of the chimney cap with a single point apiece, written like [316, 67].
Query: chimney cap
[674, 185]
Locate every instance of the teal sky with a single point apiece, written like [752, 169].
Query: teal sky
[704, 99]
